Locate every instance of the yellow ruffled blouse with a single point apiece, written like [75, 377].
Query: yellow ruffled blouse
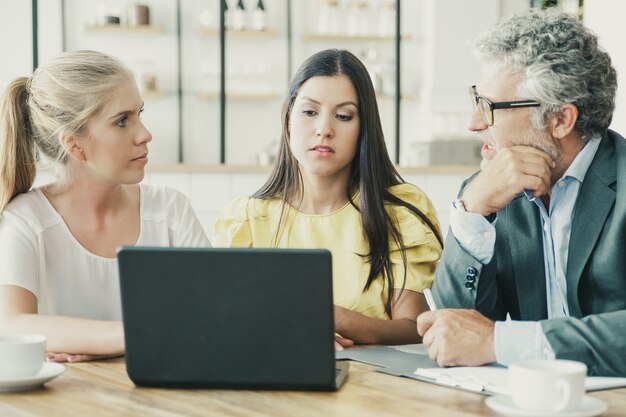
[248, 222]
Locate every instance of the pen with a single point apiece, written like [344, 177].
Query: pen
[430, 300]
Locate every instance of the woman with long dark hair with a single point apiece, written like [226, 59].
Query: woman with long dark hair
[334, 187]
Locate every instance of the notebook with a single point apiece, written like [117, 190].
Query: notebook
[229, 318]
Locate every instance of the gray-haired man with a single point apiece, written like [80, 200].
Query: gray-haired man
[540, 232]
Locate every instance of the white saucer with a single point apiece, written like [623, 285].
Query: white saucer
[589, 406]
[49, 371]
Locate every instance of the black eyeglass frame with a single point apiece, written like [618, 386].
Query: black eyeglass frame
[497, 105]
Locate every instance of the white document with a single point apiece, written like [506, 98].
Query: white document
[415, 349]
[490, 379]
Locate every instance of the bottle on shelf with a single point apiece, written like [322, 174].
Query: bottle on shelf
[328, 18]
[206, 19]
[210, 76]
[353, 18]
[259, 17]
[239, 16]
[228, 18]
[267, 156]
[357, 20]
[364, 13]
[388, 78]
[147, 79]
[387, 18]
[372, 62]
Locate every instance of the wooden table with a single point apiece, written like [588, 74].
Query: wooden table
[103, 389]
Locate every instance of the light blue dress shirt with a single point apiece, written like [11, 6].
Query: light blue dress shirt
[520, 340]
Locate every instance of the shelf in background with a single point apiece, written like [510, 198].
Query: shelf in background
[238, 34]
[311, 36]
[141, 29]
[214, 95]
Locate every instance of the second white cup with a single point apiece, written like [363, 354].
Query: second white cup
[547, 386]
[21, 356]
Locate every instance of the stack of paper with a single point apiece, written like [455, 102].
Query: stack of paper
[491, 379]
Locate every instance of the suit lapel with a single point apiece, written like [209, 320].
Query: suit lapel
[527, 257]
[595, 200]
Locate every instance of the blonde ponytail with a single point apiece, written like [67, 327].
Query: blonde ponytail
[17, 148]
[62, 96]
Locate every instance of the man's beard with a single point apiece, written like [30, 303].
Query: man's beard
[533, 138]
[544, 142]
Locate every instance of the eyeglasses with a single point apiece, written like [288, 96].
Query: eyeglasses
[486, 107]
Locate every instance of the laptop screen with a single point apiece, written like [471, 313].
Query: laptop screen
[228, 318]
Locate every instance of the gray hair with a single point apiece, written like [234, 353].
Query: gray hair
[62, 96]
[560, 62]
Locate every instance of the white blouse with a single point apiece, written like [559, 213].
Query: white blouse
[39, 253]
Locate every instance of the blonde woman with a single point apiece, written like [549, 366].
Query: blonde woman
[58, 266]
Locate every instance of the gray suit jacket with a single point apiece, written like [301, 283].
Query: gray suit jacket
[514, 281]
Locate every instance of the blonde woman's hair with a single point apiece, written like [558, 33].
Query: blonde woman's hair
[60, 97]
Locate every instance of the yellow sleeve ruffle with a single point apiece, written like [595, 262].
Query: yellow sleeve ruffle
[232, 228]
[421, 247]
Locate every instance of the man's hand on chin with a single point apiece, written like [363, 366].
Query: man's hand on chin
[457, 337]
[511, 171]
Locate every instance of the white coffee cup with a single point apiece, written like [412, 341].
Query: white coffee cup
[547, 386]
[21, 356]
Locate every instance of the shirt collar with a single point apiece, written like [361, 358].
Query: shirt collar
[580, 165]
[582, 162]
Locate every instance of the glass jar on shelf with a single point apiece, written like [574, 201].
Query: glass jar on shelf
[138, 15]
[108, 13]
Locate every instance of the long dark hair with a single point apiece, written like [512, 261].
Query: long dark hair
[371, 171]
